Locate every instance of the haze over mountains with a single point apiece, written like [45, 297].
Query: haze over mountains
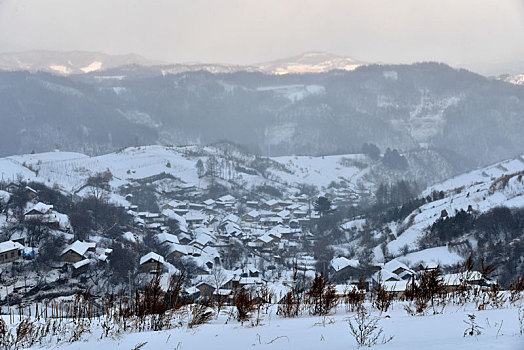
[98, 103]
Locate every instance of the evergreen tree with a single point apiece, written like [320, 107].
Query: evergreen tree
[322, 205]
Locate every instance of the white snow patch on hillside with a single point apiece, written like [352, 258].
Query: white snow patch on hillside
[60, 69]
[320, 171]
[96, 65]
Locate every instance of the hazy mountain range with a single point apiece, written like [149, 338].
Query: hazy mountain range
[468, 119]
[81, 62]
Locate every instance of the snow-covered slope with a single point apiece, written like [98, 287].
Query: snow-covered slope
[70, 170]
[479, 190]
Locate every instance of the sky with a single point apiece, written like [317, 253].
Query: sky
[459, 32]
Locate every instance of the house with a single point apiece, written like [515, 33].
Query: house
[38, 210]
[453, 280]
[230, 229]
[385, 276]
[230, 218]
[271, 205]
[281, 231]
[174, 204]
[184, 238]
[152, 262]
[397, 267]
[194, 218]
[76, 252]
[164, 237]
[206, 288]
[226, 201]
[10, 251]
[201, 241]
[252, 216]
[250, 271]
[209, 203]
[196, 206]
[343, 269]
[176, 250]
[264, 240]
[396, 288]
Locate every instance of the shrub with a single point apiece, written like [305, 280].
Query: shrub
[321, 296]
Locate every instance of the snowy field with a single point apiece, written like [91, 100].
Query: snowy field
[70, 170]
[500, 330]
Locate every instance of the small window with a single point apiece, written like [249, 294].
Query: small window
[12, 254]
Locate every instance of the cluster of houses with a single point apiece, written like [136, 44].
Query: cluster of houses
[201, 232]
[396, 276]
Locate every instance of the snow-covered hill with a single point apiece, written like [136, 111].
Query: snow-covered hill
[69, 171]
[501, 184]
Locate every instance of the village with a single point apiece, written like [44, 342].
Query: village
[218, 248]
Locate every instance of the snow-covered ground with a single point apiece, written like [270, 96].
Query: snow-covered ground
[70, 170]
[500, 330]
[321, 171]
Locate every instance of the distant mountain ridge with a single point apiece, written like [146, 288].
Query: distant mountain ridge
[83, 62]
[471, 119]
[68, 62]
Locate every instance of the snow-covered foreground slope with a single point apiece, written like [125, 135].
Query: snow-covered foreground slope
[501, 184]
[441, 331]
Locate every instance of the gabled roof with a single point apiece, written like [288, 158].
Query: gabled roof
[394, 264]
[166, 237]
[253, 214]
[341, 263]
[79, 247]
[226, 198]
[271, 202]
[280, 230]
[232, 229]
[174, 247]
[231, 218]
[10, 245]
[284, 213]
[384, 276]
[265, 238]
[40, 208]
[455, 279]
[152, 256]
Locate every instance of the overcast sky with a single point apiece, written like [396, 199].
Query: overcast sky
[243, 31]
